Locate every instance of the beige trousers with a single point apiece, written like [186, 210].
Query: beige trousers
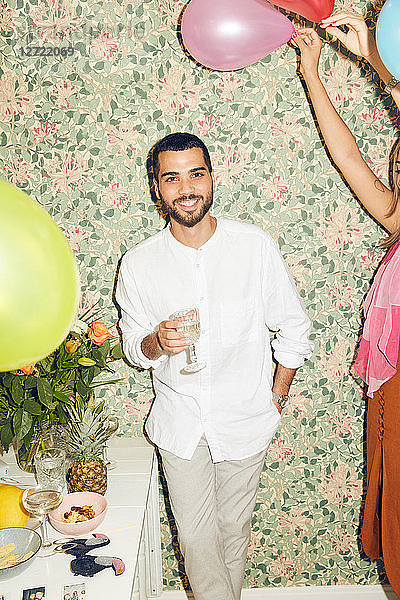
[212, 505]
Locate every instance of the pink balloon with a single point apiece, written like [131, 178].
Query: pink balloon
[231, 34]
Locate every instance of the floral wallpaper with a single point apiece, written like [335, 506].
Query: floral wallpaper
[76, 127]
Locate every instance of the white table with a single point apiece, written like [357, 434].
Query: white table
[132, 523]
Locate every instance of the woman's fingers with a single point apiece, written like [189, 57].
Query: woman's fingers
[342, 18]
[309, 37]
[298, 41]
[355, 25]
[337, 33]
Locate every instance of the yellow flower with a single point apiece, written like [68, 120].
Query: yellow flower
[72, 346]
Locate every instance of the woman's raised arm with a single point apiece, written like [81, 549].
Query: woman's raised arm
[359, 40]
[371, 192]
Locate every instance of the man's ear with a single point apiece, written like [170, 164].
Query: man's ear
[156, 189]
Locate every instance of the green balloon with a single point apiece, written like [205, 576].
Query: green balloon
[39, 281]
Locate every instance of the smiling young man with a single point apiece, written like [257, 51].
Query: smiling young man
[212, 427]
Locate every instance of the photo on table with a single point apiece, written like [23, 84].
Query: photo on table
[37, 593]
[75, 591]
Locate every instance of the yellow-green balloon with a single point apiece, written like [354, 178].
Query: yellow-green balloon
[39, 281]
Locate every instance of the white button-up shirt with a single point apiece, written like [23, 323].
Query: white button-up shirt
[243, 290]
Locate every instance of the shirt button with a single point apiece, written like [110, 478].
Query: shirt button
[204, 331]
[201, 298]
[197, 265]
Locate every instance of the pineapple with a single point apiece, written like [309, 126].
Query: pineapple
[87, 433]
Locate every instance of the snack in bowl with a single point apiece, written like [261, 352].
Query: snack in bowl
[78, 514]
[89, 503]
[18, 547]
[9, 559]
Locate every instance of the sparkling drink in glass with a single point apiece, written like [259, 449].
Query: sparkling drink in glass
[39, 502]
[192, 330]
[190, 325]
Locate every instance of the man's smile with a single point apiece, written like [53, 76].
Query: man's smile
[188, 203]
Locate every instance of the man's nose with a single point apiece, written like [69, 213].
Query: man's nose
[185, 186]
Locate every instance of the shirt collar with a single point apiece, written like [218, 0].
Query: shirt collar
[188, 249]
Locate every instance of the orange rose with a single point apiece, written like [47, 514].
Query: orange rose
[28, 370]
[72, 346]
[99, 333]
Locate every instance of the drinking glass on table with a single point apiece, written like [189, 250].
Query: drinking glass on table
[39, 501]
[190, 325]
[50, 468]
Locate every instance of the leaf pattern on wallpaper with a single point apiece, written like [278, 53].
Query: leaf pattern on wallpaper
[75, 133]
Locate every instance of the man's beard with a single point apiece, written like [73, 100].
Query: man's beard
[189, 219]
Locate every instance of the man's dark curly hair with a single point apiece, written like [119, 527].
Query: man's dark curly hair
[177, 142]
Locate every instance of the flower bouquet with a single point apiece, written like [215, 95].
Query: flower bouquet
[34, 400]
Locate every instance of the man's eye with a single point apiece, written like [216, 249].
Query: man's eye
[198, 174]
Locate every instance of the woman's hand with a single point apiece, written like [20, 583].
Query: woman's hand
[358, 39]
[309, 43]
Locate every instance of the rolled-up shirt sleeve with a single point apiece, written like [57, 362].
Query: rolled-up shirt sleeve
[284, 311]
[134, 323]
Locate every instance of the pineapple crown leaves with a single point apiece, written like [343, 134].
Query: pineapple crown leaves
[87, 429]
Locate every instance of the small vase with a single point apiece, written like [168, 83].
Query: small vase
[25, 454]
[50, 435]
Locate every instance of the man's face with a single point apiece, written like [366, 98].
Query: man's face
[184, 185]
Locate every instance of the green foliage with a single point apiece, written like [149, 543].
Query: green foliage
[30, 399]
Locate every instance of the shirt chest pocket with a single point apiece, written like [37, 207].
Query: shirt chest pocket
[240, 322]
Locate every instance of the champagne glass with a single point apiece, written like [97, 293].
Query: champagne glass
[190, 325]
[112, 425]
[39, 501]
